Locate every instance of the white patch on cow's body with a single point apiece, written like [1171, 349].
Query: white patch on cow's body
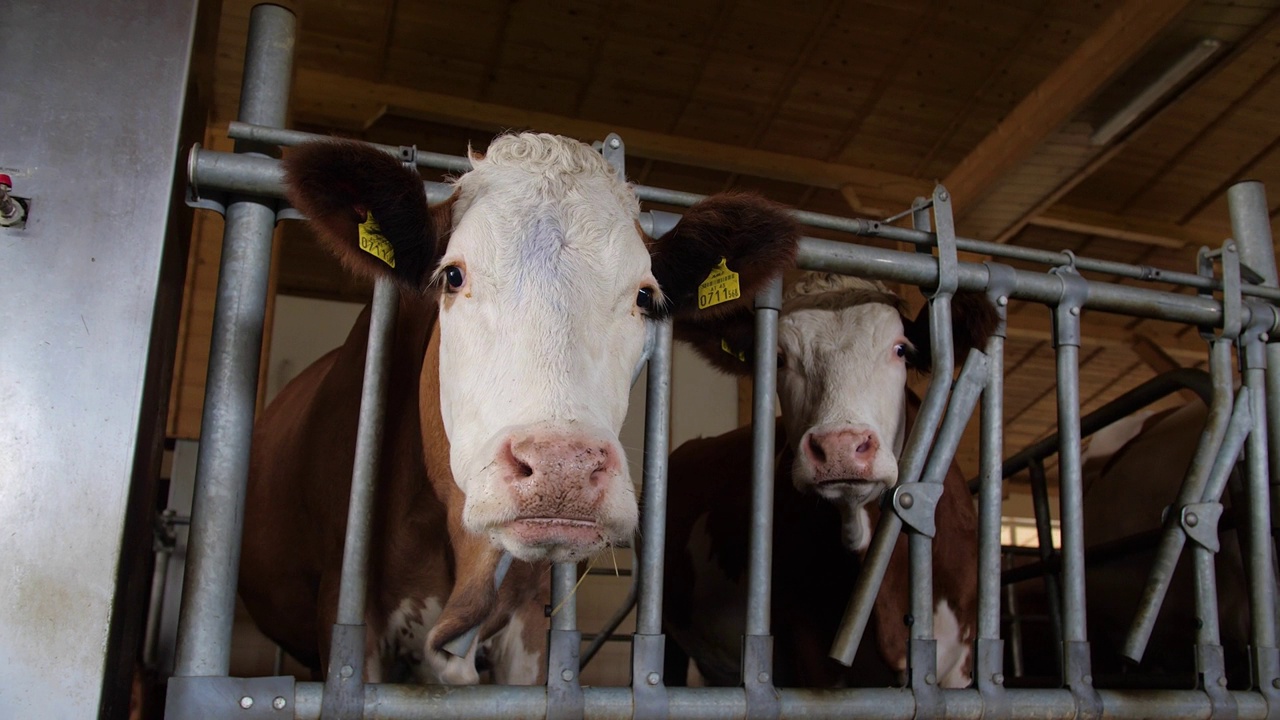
[953, 647]
[545, 334]
[513, 663]
[406, 643]
[841, 371]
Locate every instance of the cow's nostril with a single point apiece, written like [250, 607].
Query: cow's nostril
[864, 448]
[815, 449]
[524, 469]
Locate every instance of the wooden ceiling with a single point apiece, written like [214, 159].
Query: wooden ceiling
[849, 108]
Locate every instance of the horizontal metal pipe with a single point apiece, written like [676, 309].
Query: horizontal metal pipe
[855, 226]
[409, 702]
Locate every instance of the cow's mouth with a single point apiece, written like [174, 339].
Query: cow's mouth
[542, 531]
[850, 482]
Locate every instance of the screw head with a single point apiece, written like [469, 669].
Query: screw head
[1075, 311]
[615, 143]
[246, 702]
[930, 679]
[346, 671]
[1002, 300]
[653, 678]
[1088, 679]
[1264, 337]
[566, 675]
[1222, 680]
[763, 677]
[279, 703]
[998, 678]
[943, 195]
[906, 501]
[1192, 519]
[1276, 683]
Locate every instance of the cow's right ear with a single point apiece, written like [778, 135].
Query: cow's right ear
[370, 210]
[710, 266]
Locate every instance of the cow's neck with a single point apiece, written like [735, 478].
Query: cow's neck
[473, 600]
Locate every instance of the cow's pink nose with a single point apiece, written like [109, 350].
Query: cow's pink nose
[556, 475]
[844, 454]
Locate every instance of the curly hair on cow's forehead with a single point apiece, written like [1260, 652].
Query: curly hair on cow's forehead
[833, 291]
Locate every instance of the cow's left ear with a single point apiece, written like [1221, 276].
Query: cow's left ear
[712, 306]
[973, 319]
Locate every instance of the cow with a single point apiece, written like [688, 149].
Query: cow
[844, 351]
[525, 303]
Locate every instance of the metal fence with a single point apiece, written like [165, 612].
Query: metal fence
[1236, 304]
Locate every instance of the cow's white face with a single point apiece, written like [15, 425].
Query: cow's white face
[545, 279]
[841, 385]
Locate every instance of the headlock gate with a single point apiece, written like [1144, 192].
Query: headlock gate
[1236, 309]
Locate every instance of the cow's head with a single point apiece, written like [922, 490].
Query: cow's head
[547, 290]
[844, 348]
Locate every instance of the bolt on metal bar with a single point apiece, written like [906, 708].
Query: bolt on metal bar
[657, 431]
[856, 226]
[209, 585]
[1193, 488]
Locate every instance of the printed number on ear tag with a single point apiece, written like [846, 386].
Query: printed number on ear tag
[720, 286]
[374, 242]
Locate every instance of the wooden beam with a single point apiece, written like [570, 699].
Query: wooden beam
[1037, 328]
[1119, 40]
[347, 103]
[1131, 229]
[1154, 354]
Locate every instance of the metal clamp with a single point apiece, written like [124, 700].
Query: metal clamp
[216, 202]
[564, 692]
[615, 153]
[989, 674]
[1231, 297]
[1066, 314]
[1076, 672]
[1001, 280]
[204, 697]
[922, 654]
[1200, 523]
[916, 504]
[647, 686]
[344, 686]
[1212, 674]
[763, 700]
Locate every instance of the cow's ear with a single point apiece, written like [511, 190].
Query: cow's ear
[711, 265]
[973, 320]
[370, 210]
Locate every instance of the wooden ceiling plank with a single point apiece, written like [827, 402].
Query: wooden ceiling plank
[786, 87]
[1239, 174]
[1128, 228]
[1107, 51]
[330, 95]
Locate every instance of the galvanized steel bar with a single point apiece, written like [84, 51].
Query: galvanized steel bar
[855, 226]
[1251, 228]
[213, 556]
[991, 442]
[1192, 490]
[763, 432]
[657, 432]
[1262, 577]
[1048, 553]
[409, 702]
[373, 401]
[1070, 503]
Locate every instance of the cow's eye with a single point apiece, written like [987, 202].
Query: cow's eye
[644, 298]
[900, 350]
[454, 277]
[782, 360]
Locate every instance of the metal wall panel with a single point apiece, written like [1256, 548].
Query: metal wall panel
[94, 113]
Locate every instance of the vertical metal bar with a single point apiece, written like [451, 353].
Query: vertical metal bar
[564, 692]
[1070, 502]
[564, 578]
[1193, 487]
[657, 426]
[1044, 534]
[1262, 577]
[991, 454]
[768, 303]
[1015, 626]
[373, 401]
[217, 516]
[1251, 228]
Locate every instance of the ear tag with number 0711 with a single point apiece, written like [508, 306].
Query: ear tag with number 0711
[374, 242]
[720, 286]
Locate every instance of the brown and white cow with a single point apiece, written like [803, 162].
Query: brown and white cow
[844, 350]
[526, 300]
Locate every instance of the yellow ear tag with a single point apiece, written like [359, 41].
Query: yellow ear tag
[374, 242]
[724, 345]
[720, 286]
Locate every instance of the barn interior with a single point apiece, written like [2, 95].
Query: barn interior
[1110, 130]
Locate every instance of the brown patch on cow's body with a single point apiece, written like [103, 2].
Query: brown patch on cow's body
[813, 573]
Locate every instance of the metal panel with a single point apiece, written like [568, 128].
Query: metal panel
[88, 316]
